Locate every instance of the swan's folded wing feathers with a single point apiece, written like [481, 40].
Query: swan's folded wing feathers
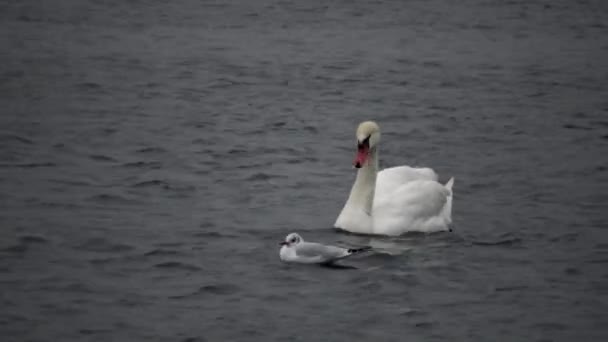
[405, 174]
[417, 205]
[388, 180]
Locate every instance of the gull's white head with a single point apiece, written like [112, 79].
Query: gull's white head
[368, 137]
[292, 239]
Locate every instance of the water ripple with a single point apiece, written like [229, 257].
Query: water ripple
[210, 290]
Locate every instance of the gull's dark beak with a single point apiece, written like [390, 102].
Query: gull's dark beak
[283, 243]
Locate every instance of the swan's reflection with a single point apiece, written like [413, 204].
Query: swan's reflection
[383, 244]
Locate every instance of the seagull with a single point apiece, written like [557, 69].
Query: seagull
[295, 249]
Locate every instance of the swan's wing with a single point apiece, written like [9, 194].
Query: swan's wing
[414, 206]
[388, 180]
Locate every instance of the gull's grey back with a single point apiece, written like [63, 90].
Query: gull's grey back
[312, 249]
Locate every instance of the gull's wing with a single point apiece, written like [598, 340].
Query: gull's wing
[317, 252]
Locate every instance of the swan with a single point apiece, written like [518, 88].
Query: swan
[395, 200]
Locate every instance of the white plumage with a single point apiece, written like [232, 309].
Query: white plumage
[295, 249]
[395, 200]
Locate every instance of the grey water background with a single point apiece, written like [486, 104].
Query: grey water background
[154, 153]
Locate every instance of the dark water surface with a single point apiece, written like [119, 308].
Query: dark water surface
[153, 153]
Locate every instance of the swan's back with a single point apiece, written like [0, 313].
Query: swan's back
[410, 199]
[390, 179]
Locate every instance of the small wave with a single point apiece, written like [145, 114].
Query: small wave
[178, 266]
[310, 129]
[223, 83]
[601, 245]
[89, 85]
[379, 256]
[572, 271]
[15, 74]
[101, 157]
[144, 164]
[14, 137]
[108, 131]
[29, 165]
[550, 326]
[16, 249]
[103, 245]
[101, 261]
[504, 242]
[600, 123]
[27, 18]
[32, 239]
[410, 312]
[260, 176]
[297, 161]
[160, 251]
[214, 234]
[23, 244]
[61, 205]
[194, 339]
[110, 199]
[572, 126]
[238, 151]
[599, 261]
[72, 287]
[510, 288]
[219, 289]
[202, 141]
[213, 289]
[151, 149]
[479, 186]
[152, 183]
[93, 331]
[423, 325]
[177, 190]
[568, 237]
[73, 182]
[431, 64]
[169, 244]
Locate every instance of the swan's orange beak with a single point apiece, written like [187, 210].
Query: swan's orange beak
[362, 154]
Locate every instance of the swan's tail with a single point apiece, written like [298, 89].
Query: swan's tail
[449, 184]
[447, 209]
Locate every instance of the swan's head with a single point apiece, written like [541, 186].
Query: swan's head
[368, 137]
[292, 239]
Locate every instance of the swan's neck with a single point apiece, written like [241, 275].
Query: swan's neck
[362, 192]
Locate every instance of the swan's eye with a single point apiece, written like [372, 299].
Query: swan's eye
[364, 143]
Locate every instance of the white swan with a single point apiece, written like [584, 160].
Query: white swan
[395, 200]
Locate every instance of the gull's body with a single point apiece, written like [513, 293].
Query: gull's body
[295, 249]
[395, 200]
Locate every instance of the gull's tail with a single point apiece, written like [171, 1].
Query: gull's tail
[349, 252]
[358, 250]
